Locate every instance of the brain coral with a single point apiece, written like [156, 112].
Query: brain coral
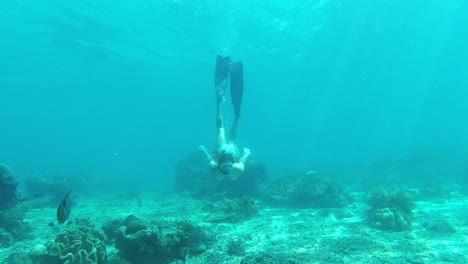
[81, 246]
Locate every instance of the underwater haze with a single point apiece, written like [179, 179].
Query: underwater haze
[124, 89]
[355, 113]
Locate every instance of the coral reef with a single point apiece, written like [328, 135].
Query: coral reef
[12, 226]
[310, 190]
[230, 211]
[112, 229]
[79, 246]
[391, 210]
[249, 183]
[276, 235]
[193, 176]
[390, 219]
[134, 224]
[8, 186]
[144, 243]
[79, 243]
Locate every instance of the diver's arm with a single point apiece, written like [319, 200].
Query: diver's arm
[213, 164]
[245, 156]
[240, 165]
[207, 154]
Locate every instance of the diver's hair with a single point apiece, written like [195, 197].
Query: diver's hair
[223, 157]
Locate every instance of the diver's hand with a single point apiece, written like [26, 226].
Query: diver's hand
[247, 151]
[207, 154]
[245, 156]
[202, 148]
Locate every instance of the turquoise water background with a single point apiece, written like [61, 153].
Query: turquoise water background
[329, 85]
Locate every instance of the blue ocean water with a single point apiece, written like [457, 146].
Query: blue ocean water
[123, 90]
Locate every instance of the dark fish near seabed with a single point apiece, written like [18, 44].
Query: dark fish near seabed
[64, 209]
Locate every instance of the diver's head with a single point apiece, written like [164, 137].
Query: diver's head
[226, 163]
[226, 168]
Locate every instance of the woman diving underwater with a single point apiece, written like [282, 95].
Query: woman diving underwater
[227, 164]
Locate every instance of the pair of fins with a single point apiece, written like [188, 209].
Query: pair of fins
[234, 71]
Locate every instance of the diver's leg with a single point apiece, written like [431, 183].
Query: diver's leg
[222, 67]
[220, 126]
[232, 136]
[221, 76]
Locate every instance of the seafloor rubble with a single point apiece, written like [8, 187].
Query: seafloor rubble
[179, 229]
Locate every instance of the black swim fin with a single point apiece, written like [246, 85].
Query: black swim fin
[237, 86]
[223, 65]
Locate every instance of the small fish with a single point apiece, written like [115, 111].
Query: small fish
[64, 209]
